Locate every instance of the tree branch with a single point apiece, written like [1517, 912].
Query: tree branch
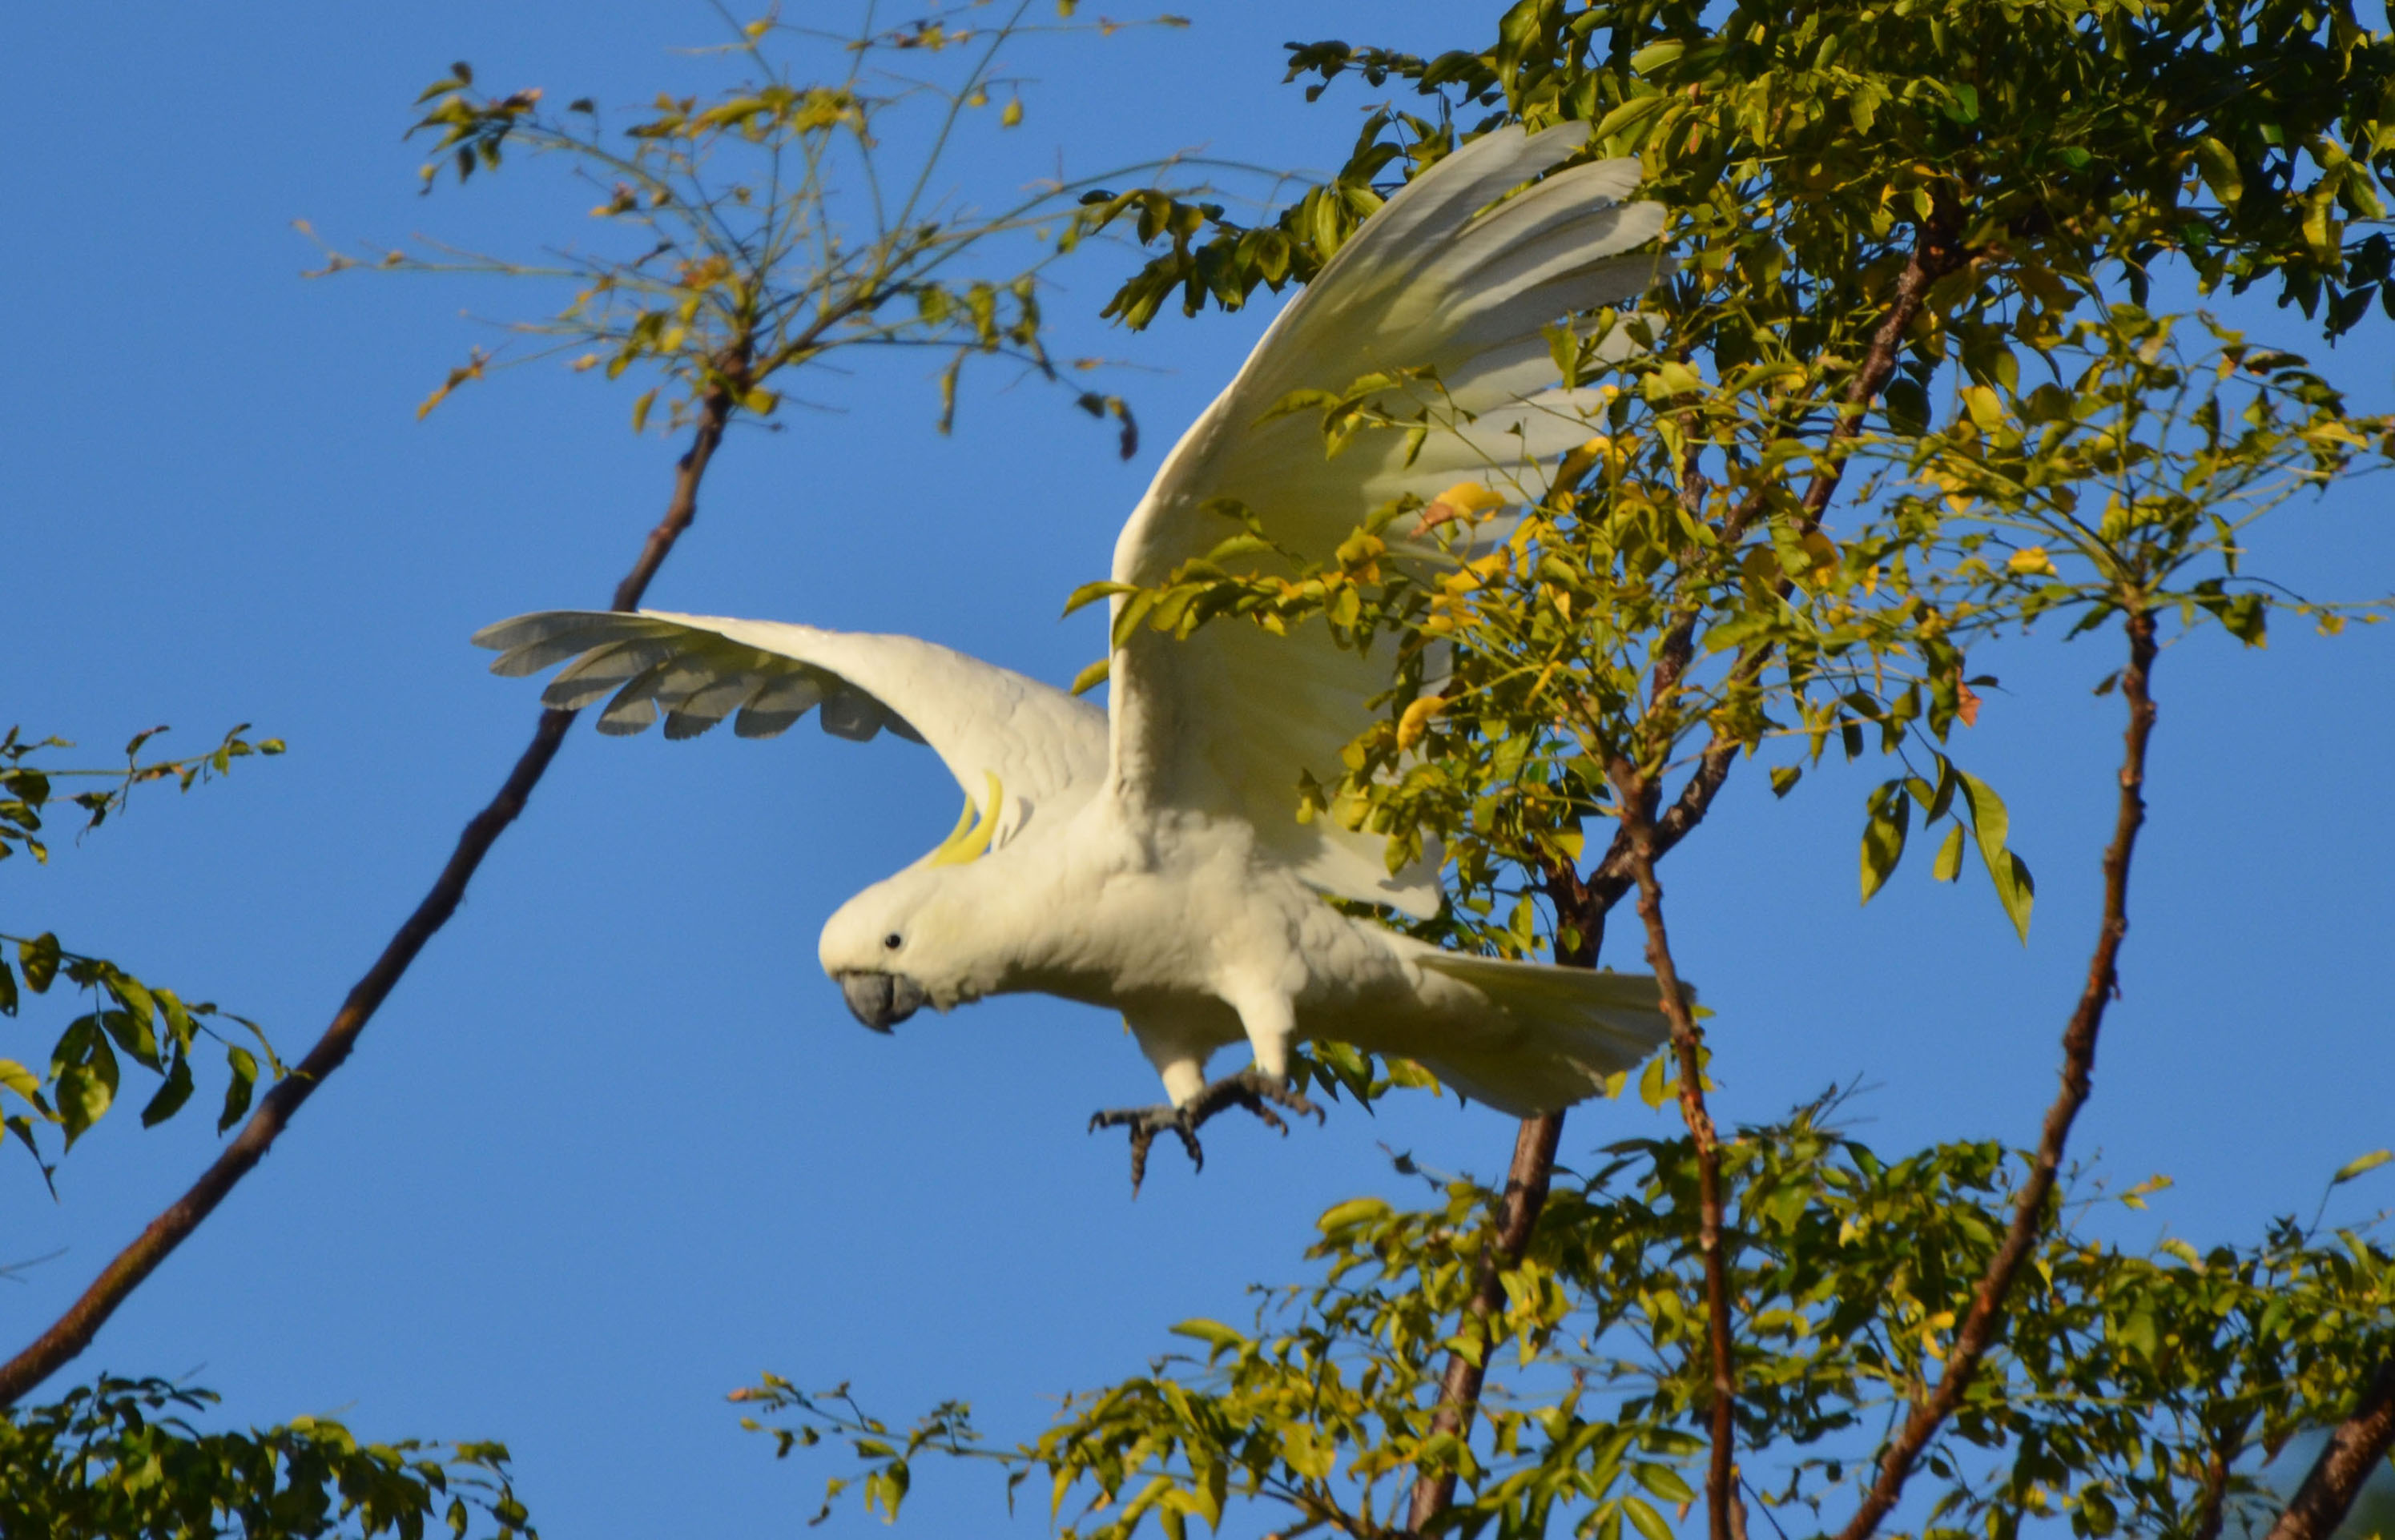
[1586, 903]
[74, 1331]
[2211, 1511]
[1636, 795]
[2357, 1447]
[1459, 1390]
[1979, 1327]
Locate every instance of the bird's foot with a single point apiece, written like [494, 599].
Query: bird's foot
[1251, 1088]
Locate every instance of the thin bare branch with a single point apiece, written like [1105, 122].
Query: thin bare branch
[1725, 1515]
[1979, 1327]
[74, 1331]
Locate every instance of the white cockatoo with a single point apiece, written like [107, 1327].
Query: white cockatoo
[1148, 857]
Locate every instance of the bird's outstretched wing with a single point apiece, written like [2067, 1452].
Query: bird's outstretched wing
[1043, 749]
[1438, 279]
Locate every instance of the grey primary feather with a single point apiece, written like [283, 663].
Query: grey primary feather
[532, 655]
[600, 671]
[703, 708]
[852, 715]
[778, 703]
[635, 705]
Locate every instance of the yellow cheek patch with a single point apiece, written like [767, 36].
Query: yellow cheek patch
[975, 827]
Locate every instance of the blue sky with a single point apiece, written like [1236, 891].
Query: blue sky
[615, 1146]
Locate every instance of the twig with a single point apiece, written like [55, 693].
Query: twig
[1635, 794]
[73, 1332]
[1979, 1328]
[2357, 1447]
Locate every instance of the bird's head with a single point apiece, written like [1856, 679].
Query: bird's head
[900, 945]
[914, 939]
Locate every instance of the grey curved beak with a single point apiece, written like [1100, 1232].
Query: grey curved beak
[881, 1000]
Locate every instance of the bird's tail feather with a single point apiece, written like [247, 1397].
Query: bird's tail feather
[1579, 1027]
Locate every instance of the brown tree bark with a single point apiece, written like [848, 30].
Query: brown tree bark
[74, 1331]
[1979, 1327]
[1459, 1390]
[2358, 1447]
[1725, 1517]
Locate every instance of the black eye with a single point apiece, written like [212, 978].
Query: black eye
[893, 941]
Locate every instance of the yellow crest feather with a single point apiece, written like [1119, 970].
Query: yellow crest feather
[975, 828]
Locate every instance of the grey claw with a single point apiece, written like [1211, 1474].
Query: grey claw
[1250, 1089]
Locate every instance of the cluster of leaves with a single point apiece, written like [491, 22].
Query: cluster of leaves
[2248, 137]
[1873, 207]
[119, 1458]
[2134, 1388]
[148, 1023]
[754, 231]
[25, 788]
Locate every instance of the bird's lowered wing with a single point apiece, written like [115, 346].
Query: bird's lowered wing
[1043, 751]
[1227, 720]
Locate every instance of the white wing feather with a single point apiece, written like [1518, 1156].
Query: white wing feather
[1046, 749]
[1226, 722]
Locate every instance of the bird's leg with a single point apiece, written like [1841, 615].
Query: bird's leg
[1250, 1088]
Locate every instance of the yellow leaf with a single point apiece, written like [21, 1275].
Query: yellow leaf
[1463, 500]
[2031, 563]
[1011, 113]
[20, 1079]
[1416, 721]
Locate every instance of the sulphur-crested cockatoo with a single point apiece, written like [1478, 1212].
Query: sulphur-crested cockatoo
[1148, 857]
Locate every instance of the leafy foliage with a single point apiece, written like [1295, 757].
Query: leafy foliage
[1859, 230]
[756, 232]
[147, 1023]
[2133, 1387]
[1907, 390]
[119, 1457]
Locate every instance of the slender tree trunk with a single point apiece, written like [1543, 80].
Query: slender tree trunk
[1725, 1515]
[2358, 1447]
[1459, 1390]
[1979, 1327]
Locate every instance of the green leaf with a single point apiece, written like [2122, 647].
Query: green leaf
[1949, 865]
[2360, 1164]
[1908, 406]
[1652, 1086]
[1991, 823]
[1654, 56]
[1662, 1479]
[244, 1076]
[171, 1096]
[86, 1090]
[1891, 817]
[2219, 170]
[1784, 779]
[1216, 1336]
[26, 1083]
[39, 959]
[1645, 1519]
